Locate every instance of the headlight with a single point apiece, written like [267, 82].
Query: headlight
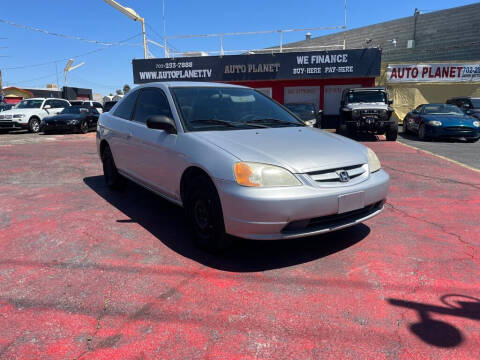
[16, 116]
[262, 175]
[373, 162]
[435, 123]
[311, 122]
[476, 123]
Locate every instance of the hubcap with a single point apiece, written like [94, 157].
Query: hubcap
[35, 126]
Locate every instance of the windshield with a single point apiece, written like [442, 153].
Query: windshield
[475, 103]
[366, 97]
[442, 109]
[74, 110]
[29, 104]
[223, 108]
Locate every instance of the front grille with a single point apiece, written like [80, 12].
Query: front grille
[332, 175]
[459, 128]
[332, 221]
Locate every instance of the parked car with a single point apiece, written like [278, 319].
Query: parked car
[88, 103]
[73, 118]
[107, 106]
[431, 121]
[367, 109]
[307, 112]
[4, 107]
[470, 105]
[29, 113]
[238, 162]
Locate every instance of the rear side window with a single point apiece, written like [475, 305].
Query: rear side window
[125, 108]
[97, 105]
[152, 101]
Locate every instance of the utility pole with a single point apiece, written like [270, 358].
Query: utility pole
[165, 49]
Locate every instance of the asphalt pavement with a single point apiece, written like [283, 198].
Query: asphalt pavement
[458, 150]
[87, 273]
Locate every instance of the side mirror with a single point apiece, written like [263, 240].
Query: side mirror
[468, 111]
[46, 107]
[415, 112]
[161, 122]
[390, 102]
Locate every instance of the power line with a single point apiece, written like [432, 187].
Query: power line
[67, 58]
[99, 42]
[34, 79]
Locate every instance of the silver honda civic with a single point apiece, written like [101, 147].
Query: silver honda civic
[238, 162]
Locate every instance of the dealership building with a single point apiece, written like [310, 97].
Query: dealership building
[422, 58]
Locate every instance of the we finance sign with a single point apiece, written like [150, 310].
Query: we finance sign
[433, 73]
[277, 66]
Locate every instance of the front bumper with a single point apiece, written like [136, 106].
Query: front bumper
[452, 132]
[370, 124]
[59, 126]
[285, 213]
[12, 125]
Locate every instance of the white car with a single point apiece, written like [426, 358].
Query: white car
[90, 103]
[29, 113]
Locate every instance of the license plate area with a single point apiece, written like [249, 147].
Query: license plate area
[350, 202]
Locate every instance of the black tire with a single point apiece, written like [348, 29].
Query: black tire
[204, 215]
[341, 128]
[392, 132]
[34, 125]
[472, 140]
[84, 127]
[404, 127]
[421, 133]
[113, 179]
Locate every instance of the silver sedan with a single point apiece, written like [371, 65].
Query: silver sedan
[238, 162]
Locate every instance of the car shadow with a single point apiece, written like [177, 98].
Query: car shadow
[436, 332]
[166, 222]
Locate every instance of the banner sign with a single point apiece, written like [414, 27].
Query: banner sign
[433, 73]
[279, 66]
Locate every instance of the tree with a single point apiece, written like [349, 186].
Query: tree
[126, 88]
[110, 94]
[119, 92]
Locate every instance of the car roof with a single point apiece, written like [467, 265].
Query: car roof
[170, 84]
[367, 89]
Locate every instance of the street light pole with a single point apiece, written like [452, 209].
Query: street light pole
[135, 17]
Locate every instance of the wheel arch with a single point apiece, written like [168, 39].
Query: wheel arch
[103, 145]
[190, 173]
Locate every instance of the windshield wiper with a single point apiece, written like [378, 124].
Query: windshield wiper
[271, 121]
[226, 123]
[213, 122]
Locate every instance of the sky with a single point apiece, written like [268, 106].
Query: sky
[31, 59]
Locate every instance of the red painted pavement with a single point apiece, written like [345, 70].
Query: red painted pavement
[90, 274]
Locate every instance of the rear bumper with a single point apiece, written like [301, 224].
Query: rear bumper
[281, 213]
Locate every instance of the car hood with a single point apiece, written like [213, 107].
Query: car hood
[451, 120]
[299, 149]
[63, 117]
[373, 105]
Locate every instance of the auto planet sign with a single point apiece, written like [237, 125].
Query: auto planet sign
[279, 66]
[433, 73]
